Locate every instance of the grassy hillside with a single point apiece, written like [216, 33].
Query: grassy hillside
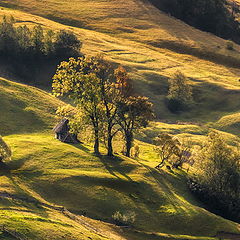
[152, 58]
[71, 176]
[50, 172]
[25, 109]
[152, 46]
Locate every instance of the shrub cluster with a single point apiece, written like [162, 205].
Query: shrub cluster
[179, 94]
[24, 43]
[124, 219]
[26, 49]
[218, 182]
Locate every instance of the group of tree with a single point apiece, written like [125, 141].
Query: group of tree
[217, 181]
[215, 16]
[104, 99]
[22, 42]
[26, 49]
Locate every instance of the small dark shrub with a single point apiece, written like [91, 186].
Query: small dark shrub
[124, 219]
[175, 105]
[229, 45]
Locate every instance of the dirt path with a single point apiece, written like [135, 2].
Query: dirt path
[83, 221]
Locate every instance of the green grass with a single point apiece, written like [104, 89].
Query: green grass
[152, 46]
[71, 176]
[25, 109]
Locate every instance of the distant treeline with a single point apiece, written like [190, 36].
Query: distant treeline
[25, 48]
[215, 16]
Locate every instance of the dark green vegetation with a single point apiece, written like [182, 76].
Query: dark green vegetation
[27, 50]
[180, 94]
[215, 16]
[218, 182]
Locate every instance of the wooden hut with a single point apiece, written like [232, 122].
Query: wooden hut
[62, 132]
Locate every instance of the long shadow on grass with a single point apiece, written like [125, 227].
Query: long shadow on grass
[173, 184]
[114, 165]
[81, 147]
[27, 198]
[17, 164]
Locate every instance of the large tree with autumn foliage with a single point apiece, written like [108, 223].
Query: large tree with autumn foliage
[104, 94]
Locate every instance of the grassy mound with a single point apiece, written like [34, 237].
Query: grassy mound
[25, 108]
[97, 187]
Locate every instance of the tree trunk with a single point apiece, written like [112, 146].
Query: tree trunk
[96, 141]
[109, 142]
[129, 140]
[109, 146]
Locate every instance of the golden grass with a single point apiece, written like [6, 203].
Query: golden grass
[150, 62]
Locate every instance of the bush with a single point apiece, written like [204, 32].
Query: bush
[179, 93]
[5, 150]
[229, 45]
[67, 44]
[124, 219]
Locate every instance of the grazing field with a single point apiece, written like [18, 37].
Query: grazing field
[152, 46]
[151, 66]
[71, 176]
[59, 174]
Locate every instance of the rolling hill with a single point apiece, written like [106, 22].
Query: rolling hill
[48, 172]
[171, 46]
[48, 175]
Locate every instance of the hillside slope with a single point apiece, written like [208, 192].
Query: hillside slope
[150, 66]
[152, 46]
[56, 174]
[25, 109]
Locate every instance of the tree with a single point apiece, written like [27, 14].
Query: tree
[83, 88]
[7, 36]
[49, 43]
[218, 179]
[180, 92]
[166, 146]
[123, 82]
[133, 113]
[24, 40]
[37, 40]
[183, 154]
[67, 44]
[5, 150]
[111, 95]
[90, 80]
